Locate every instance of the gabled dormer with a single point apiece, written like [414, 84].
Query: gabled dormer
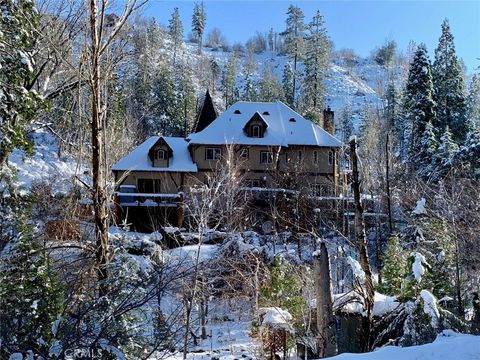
[256, 126]
[160, 153]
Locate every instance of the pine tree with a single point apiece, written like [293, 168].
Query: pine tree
[163, 117]
[447, 149]
[185, 100]
[394, 268]
[473, 102]
[199, 19]
[426, 160]
[469, 153]
[270, 88]
[294, 43]
[19, 103]
[31, 297]
[249, 69]
[449, 87]
[287, 83]
[419, 106]
[317, 57]
[175, 30]
[229, 80]
[345, 123]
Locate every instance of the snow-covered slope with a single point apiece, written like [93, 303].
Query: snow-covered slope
[448, 346]
[45, 165]
[346, 84]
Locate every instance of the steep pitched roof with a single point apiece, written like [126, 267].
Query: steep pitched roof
[285, 127]
[138, 159]
[207, 114]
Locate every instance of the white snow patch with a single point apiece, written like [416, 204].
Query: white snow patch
[356, 268]
[420, 208]
[275, 317]
[430, 307]
[418, 268]
[448, 346]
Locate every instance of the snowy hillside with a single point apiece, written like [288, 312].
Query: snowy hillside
[346, 85]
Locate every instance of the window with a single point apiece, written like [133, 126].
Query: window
[213, 154]
[300, 155]
[320, 189]
[237, 112]
[149, 186]
[255, 183]
[244, 153]
[266, 157]
[161, 155]
[255, 131]
[315, 156]
[330, 157]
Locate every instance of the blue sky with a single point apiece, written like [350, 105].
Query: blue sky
[360, 25]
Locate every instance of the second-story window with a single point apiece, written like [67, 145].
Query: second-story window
[315, 156]
[213, 154]
[161, 155]
[330, 157]
[266, 157]
[255, 131]
[244, 153]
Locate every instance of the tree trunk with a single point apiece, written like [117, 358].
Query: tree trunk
[327, 345]
[387, 179]
[361, 241]
[99, 195]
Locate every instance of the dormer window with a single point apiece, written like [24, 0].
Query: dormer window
[161, 155]
[256, 126]
[255, 131]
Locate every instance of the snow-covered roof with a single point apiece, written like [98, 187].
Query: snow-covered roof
[138, 159]
[275, 317]
[285, 127]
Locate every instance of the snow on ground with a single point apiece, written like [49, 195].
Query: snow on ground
[45, 165]
[448, 346]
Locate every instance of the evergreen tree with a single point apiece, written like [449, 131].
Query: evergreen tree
[447, 149]
[473, 102]
[30, 298]
[287, 83]
[229, 80]
[391, 107]
[18, 102]
[270, 88]
[469, 153]
[317, 57]
[284, 289]
[345, 123]
[249, 69]
[426, 160]
[394, 268]
[185, 100]
[449, 87]
[199, 19]
[294, 40]
[175, 30]
[163, 118]
[419, 106]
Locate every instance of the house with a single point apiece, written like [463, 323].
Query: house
[273, 147]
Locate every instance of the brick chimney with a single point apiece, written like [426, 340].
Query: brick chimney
[329, 121]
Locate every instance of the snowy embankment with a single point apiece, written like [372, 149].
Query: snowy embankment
[45, 165]
[448, 346]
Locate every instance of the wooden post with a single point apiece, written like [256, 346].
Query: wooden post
[327, 344]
